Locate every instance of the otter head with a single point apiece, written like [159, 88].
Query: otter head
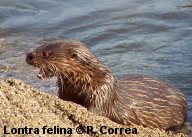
[67, 59]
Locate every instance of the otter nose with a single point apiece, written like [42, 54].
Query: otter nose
[30, 56]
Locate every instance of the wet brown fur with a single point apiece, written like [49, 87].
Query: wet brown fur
[132, 99]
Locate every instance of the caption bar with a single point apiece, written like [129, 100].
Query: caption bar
[58, 130]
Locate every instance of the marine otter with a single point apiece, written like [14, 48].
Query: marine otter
[133, 99]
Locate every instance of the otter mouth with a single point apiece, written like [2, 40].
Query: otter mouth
[45, 73]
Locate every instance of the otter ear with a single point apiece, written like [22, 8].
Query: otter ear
[80, 58]
[74, 55]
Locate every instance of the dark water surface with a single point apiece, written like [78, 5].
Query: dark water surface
[149, 37]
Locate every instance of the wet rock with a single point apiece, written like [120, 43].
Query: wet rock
[2, 43]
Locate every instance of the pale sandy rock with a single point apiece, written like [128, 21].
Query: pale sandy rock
[22, 105]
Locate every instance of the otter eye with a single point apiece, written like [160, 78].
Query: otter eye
[46, 54]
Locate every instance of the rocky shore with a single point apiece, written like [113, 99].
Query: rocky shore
[24, 107]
